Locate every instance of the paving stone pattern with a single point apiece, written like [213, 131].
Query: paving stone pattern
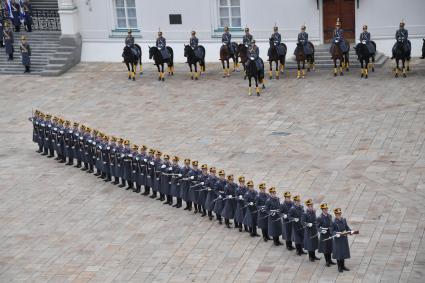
[356, 144]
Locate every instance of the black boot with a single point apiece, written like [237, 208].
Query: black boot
[265, 236]
[289, 246]
[153, 195]
[300, 250]
[343, 266]
[276, 241]
[254, 232]
[310, 256]
[210, 216]
[339, 263]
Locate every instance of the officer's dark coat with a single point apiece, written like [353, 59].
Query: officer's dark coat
[112, 159]
[247, 39]
[157, 180]
[119, 161]
[276, 39]
[262, 218]
[365, 36]
[25, 53]
[250, 218]
[274, 221]
[403, 35]
[193, 42]
[338, 35]
[303, 39]
[286, 225]
[8, 40]
[219, 201]
[69, 143]
[98, 143]
[141, 161]
[340, 248]
[165, 178]
[185, 183]
[134, 167]
[106, 161]
[175, 181]
[203, 191]
[297, 227]
[150, 171]
[324, 223]
[41, 132]
[210, 184]
[193, 187]
[229, 201]
[127, 158]
[35, 123]
[161, 43]
[226, 38]
[240, 204]
[311, 242]
[16, 10]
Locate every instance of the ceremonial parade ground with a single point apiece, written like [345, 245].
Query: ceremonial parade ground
[353, 143]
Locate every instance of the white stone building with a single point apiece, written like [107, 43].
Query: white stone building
[103, 24]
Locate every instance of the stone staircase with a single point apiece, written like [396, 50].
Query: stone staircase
[44, 4]
[44, 44]
[323, 58]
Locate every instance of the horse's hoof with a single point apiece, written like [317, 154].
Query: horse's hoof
[163, 79]
[270, 78]
[129, 78]
[347, 69]
[366, 76]
[196, 78]
[404, 75]
[373, 69]
[159, 78]
[172, 73]
[362, 76]
[298, 77]
[134, 79]
[191, 78]
[396, 76]
[224, 76]
[308, 70]
[263, 87]
[341, 74]
[335, 74]
[408, 69]
[258, 94]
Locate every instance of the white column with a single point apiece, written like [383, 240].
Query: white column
[68, 14]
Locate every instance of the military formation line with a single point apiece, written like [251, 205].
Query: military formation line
[128, 165]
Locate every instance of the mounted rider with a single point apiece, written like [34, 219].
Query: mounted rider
[161, 44]
[338, 38]
[365, 38]
[226, 39]
[193, 42]
[275, 40]
[402, 35]
[303, 39]
[247, 38]
[254, 55]
[129, 42]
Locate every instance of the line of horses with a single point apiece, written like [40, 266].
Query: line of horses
[252, 72]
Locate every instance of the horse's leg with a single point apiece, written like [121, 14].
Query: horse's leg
[408, 65]
[191, 73]
[244, 70]
[341, 66]
[366, 68]
[224, 69]
[249, 85]
[257, 89]
[228, 66]
[298, 69]
[373, 63]
[404, 68]
[159, 72]
[347, 61]
[277, 69]
[303, 71]
[335, 68]
[270, 70]
[196, 71]
[133, 68]
[362, 68]
[129, 71]
[282, 65]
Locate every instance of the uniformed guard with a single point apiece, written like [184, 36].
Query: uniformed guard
[219, 190]
[309, 222]
[287, 224]
[226, 39]
[8, 40]
[161, 44]
[365, 39]
[76, 143]
[165, 179]
[262, 216]
[1, 28]
[203, 191]
[402, 35]
[27, 11]
[274, 220]
[128, 158]
[193, 186]
[97, 147]
[324, 226]
[129, 42]
[240, 204]
[69, 143]
[185, 183]
[340, 248]
[150, 165]
[119, 162]
[16, 13]
[60, 142]
[250, 218]
[295, 214]
[276, 40]
[106, 159]
[338, 38]
[157, 176]
[175, 182]
[140, 163]
[254, 55]
[194, 42]
[113, 158]
[81, 144]
[211, 192]
[303, 39]
[247, 38]
[229, 207]
[35, 119]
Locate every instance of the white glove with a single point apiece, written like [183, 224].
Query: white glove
[230, 196]
[220, 196]
[192, 177]
[351, 232]
[309, 224]
[145, 160]
[338, 235]
[285, 216]
[296, 219]
[180, 175]
[273, 214]
[163, 166]
[209, 189]
[251, 203]
[130, 155]
[324, 231]
[202, 183]
[240, 197]
[152, 163]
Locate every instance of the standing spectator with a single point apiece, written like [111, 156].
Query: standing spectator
[16, 12]
[26, 12]
[8, 40]
[26, 53]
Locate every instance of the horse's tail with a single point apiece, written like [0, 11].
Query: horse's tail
[312, 49]
[171, 56]
[140, 53]
[202, 62]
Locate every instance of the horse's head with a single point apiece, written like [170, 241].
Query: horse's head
[126, 52]
[152, 51]
[187, 50]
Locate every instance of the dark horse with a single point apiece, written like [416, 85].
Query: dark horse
[400, 54]
[274, 57]
[159, 61]
[130, 59]
[300, 56]
[253, 72]
[337, 54]
[243, 55]
[364, 56]
[225, 57]
[192, 59]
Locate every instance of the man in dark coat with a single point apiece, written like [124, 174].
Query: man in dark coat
[287, 224]
[1, 28]
[402, 35]
[276, 40]
[211, 192]
[193, 189]
[226, 39]
[112, 159]
[185, 183]
[126, 165]
[175, 182]
[194, 42]
[69, 143]
[150, 165]
[340, 248]
[161, 44]
[247, 38]
[8, 40]
[165, 179]
[365, 39]
[240, 204]
[27, 10]
[229, 207]
[202, 191]
[105, 151]
[16, 12]
[219, 190]
[324, 227]
[157, 176]
[129, 42]
[250, 200]
[303, 40]
[139, 166]
[295, 214]
[274, 220]
[338, 38]
[309, 222]
[262, 216]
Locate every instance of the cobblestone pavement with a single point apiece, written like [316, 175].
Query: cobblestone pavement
[356, 144]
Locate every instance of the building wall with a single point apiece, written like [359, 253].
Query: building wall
[101, 41]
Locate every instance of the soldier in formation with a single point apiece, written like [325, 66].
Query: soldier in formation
[129, 165]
